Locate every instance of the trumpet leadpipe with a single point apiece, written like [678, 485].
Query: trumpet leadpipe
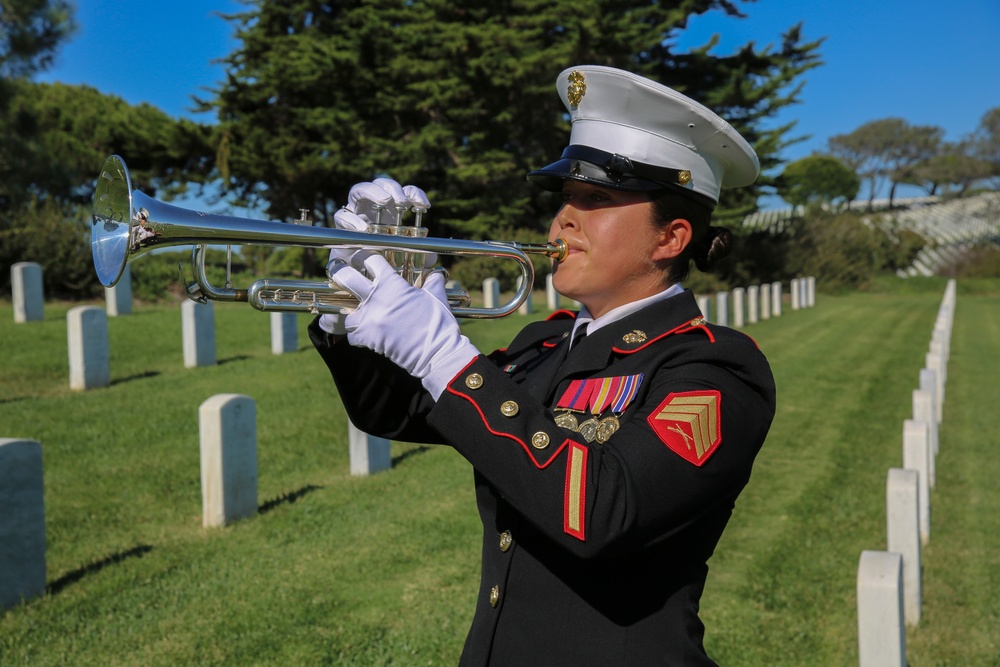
[127, 223]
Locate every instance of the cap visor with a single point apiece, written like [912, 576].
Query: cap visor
[568, 169]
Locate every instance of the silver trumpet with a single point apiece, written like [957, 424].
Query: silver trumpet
[127, 223]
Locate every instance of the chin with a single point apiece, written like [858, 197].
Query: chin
[565, 287]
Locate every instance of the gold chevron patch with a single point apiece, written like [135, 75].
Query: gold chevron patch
[689, 423]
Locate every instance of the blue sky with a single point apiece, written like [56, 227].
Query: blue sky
[931, 63]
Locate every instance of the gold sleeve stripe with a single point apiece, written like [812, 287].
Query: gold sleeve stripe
[575, 501]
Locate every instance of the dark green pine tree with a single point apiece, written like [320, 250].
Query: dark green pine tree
[458, 97]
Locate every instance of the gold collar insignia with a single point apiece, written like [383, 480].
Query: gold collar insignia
[634, 337]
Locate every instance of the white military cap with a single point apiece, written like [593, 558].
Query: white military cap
[630, 133]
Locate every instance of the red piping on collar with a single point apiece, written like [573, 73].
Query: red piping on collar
[561, 314]
[684, 328]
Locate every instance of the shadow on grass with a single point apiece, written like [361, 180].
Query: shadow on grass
[239, 357]
[15, 399]
[396, 460]
[137, 376]
[76, 575]
[288, 498]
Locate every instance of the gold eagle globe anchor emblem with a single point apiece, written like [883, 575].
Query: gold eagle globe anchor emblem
[577, 88]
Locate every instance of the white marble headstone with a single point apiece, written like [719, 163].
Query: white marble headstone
[753, 304]
[776, 298]
[22, 521]
[722, 308]
[89, 354]
[916, 456]
[198, 333]
[881, 629]
[228, 428]
[902, 497]
[284, 332]
[491, 293]
[26, 288]
[739, 307]
[369, 454]
[119, 297]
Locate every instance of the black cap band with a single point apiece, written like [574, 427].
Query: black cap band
[620, 169]
[592, 165]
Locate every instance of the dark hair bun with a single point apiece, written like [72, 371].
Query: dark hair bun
[712, 248]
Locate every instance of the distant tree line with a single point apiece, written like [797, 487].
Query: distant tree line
[892, 152]
[846, 249]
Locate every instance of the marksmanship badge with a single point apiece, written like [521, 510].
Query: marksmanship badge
[690, 424]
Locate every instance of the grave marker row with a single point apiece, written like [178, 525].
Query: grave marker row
[889, 583]
[752, 304]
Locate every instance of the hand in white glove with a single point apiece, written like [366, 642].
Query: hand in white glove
[363, 202]
[413, 327]
[366, 198]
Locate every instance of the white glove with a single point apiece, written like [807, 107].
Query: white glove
[412, 327]
[360, 211]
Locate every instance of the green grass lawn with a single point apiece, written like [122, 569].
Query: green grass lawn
[383, 570]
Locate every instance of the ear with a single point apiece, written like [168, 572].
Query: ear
[673, 239]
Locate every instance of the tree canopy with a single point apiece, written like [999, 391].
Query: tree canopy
[884, 150]
[818, 179]
[984, 144]
[458, 97]
[30, 32]
[53, 140]
[890, 150]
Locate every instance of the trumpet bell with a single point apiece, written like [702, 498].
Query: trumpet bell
[112, 221]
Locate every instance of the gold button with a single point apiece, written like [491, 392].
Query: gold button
[474, 381]
[684, 177]
[540, 440]
[495, 596]
[509, 408]
[506, 539]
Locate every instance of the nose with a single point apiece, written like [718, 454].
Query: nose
[560, 221]
[565, 217]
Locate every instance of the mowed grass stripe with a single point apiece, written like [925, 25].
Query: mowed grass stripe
[845, 371]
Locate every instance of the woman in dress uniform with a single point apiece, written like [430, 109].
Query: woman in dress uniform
[609, 446]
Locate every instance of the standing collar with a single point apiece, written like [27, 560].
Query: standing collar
[620, 312]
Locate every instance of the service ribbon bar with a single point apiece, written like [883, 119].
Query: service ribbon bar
[604, 393]
[627, 390]
[577, 395]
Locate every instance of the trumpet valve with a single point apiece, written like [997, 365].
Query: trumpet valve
[418, 216]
